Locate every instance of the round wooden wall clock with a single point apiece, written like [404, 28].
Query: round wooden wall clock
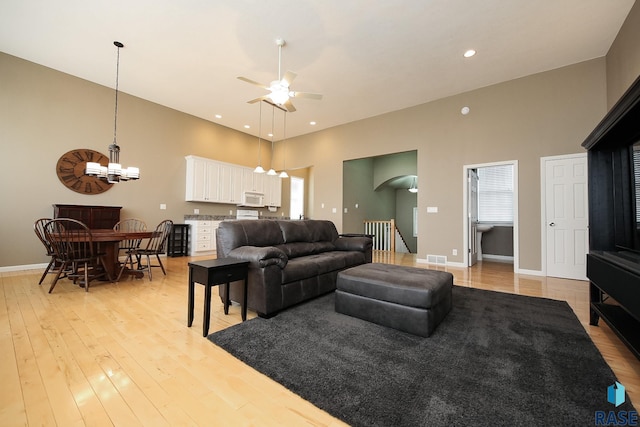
[70, 171]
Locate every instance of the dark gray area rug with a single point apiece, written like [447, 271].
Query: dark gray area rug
[497, 359]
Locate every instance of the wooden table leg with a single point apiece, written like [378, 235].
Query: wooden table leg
[227, 299]
[207, 310]
[244, 300]
[190, 298]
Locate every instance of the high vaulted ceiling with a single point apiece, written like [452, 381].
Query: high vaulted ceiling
[367, 57]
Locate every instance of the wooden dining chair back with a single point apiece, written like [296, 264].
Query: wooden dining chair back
[54, 262]
[157, 245]
[73, 245]
[127, 246]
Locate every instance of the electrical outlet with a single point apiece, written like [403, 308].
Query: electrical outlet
[196, 211]
[163, 206]
[346, 210]
[334, 210]
[454, 252]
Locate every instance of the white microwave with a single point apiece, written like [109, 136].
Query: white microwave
[253, 199]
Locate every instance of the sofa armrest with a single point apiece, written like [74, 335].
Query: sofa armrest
[353, 243]
[260, 256]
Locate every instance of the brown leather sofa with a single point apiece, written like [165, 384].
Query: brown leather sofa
[290, 261]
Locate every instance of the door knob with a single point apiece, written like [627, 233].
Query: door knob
[552, 224]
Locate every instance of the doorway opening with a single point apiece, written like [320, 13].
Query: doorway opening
[296, 209]
[492, 208]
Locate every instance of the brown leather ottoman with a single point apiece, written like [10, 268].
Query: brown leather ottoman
[410, 299]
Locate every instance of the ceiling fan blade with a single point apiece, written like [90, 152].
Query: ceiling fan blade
[262, 98]
[253, 82]
[288, 78]
[306, 95]
[289, 106]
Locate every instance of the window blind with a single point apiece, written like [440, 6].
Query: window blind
[495, 194]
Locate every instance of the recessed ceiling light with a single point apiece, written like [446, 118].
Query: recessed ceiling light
[312, 123]
[218, 116]
[247, 127]
[469, 53]
[270, 134]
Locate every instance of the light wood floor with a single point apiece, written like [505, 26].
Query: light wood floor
[122, 355]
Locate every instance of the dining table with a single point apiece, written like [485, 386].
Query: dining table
[108, 241]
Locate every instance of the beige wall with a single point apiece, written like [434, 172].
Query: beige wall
[45, 113]
[542, 115]
[623, 59]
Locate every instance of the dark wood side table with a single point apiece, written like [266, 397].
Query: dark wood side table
[211, 273]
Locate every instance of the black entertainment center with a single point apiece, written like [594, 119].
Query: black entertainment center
[613, 263]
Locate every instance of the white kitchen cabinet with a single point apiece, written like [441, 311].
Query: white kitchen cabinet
[252, 181]
[203, 237]
[230, 183]
[202, 180]
[273, 190]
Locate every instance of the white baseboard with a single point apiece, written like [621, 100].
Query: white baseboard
[456, 264]
[448, 263]
[530, 272]
[497, 258]
[42, 266]
[23, 267]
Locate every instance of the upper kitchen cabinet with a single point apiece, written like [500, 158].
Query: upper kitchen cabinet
[202, 180]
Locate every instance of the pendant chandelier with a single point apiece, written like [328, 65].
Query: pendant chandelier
[114, 172]
[414, 187]
[272, 171]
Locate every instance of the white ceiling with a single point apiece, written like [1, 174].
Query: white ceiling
[367, 57]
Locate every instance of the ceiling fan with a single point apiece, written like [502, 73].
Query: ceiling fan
[280, 90]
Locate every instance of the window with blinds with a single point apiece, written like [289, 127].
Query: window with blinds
[495, 194]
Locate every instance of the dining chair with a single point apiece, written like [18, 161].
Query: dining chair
[73, 245]
[54, 263]
[157, 245]
[127, 246]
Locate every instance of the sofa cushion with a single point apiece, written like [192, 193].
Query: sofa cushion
[353, 258]
[298, 249]
[320, 247]
[322, 230]
[294, 231]
[299, 269]
[232, 234]
[329, 261]
[262, 232]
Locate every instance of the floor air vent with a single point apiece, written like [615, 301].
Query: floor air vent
[437, 259]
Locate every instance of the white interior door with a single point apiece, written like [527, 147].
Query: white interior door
[566, 206]
[472, 207]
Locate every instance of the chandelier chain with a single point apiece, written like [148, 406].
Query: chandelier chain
[115, 120]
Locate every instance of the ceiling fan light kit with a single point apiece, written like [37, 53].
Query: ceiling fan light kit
[279, 97]
[280, 92]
